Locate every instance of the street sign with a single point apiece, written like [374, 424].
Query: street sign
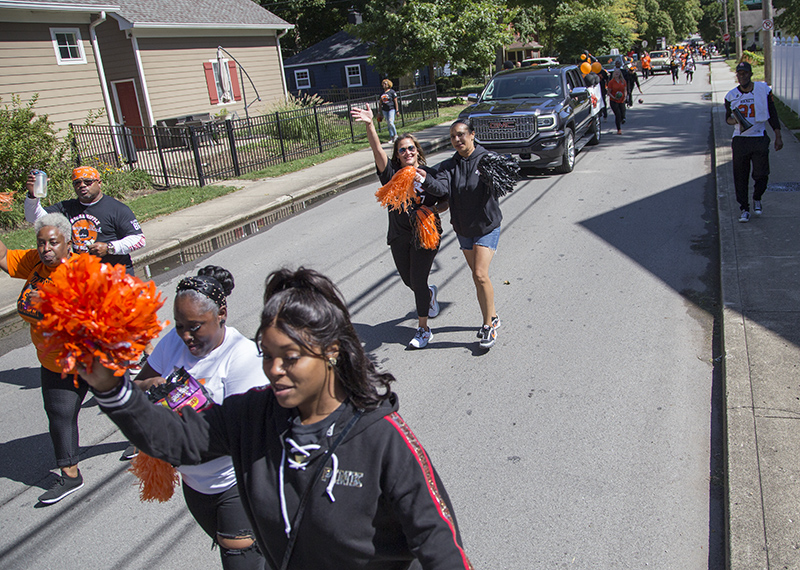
[767, 24]
[644, 43]
[726, 37]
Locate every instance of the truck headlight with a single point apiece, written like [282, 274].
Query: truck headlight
[546, 122]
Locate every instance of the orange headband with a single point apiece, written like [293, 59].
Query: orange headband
[85, 172]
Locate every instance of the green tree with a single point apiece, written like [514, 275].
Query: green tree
[597, 30]
[406, 36]
[314, 20]
[684, 14]
[709, 26]
[789, 20]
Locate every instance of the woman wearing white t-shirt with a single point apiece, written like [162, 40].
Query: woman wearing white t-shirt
[226, 363]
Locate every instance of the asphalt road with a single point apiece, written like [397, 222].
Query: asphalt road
[588, 437]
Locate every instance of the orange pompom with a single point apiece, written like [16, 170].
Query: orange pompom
[398, 194]
[95, 310]
[157, 478]
[428, 228]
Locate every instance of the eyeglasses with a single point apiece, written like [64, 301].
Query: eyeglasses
[83, 182]
[405, 149]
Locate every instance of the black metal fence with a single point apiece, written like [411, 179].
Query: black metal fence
[197, 152]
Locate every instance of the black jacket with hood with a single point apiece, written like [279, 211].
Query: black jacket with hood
[474, 210]
[386, 507]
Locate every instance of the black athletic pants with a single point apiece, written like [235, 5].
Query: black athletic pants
[62, 402]
[414, 266]
[747, 150]
[619, 113]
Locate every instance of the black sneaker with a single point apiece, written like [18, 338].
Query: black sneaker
[488, 336]
[129, 453]
[61, 488]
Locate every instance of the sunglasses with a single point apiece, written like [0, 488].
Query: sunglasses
[83, 182]
[405, 149]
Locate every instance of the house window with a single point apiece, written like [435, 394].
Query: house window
[302, 79]
[353, 75]
[222, 81]
[68, 45]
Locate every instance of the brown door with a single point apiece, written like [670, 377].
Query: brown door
[129, 107]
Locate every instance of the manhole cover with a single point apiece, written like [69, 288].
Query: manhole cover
[783, 187]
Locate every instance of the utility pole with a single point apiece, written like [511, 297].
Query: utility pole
[738, 22]
[766, 10]
[727, 32]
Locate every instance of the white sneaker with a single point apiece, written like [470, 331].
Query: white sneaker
[433, 308]
[745, 217]
[757, 207]
[421, 338]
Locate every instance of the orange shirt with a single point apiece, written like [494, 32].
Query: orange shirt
[26, 264]
[615, 87]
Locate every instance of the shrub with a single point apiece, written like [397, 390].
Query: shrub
[296, 116]
[753, 58]
[28, 142]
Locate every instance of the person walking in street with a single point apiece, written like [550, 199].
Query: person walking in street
[689, 69]
[475, 216]
[226, 363]
[101, 225]
[674, 68]
[749, 107]
[618, 95]
[62, 397]
[330, 474]
[646, 65]
[389, 108]
[412, 260]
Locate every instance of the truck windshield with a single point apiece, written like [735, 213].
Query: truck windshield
[522, 86]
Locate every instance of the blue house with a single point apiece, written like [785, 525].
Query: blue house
[335, 66]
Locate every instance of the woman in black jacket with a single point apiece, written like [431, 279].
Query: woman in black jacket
[475, 215]
[412, 260]
[330, 475]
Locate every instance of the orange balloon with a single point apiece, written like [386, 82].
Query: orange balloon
[583, 56]
[586, 67]
[597, 67]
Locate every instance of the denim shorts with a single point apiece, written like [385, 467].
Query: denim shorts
[489, 240]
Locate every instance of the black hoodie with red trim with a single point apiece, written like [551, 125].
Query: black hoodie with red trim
[386, 507]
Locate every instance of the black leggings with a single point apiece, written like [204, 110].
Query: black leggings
[223, 514]
[619, 113]
[414, 266]
[62, 402]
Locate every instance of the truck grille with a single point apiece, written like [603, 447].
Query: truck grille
[502, 129]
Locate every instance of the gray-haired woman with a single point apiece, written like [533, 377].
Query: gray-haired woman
[62, 397]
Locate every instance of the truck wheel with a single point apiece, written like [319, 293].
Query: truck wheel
[596, 129]
[568, 158]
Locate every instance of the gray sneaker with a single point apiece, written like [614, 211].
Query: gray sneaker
[757, 207]
[433, 308]
[745, 217]
[488, 335]
[63, 486]
[421, 338]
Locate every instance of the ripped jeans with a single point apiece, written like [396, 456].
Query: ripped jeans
[223, 514]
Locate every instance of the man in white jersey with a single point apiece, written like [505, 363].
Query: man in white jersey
[749, 107]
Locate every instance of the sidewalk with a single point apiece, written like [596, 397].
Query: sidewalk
[187, 234]
[760, 273]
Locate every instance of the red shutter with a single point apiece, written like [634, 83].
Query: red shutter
[211, 82]
[237, 90]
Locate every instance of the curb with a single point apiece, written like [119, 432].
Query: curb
[746, 547]
[230, 230]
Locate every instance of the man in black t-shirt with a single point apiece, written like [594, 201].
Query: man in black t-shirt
[101, 225]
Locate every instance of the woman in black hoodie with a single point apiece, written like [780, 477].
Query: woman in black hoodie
[330, 475]
[475, 215]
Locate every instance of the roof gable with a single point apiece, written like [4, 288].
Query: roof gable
[340, 45]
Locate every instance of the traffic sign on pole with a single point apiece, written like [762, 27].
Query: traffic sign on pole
[767, 24]
[726, 37]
